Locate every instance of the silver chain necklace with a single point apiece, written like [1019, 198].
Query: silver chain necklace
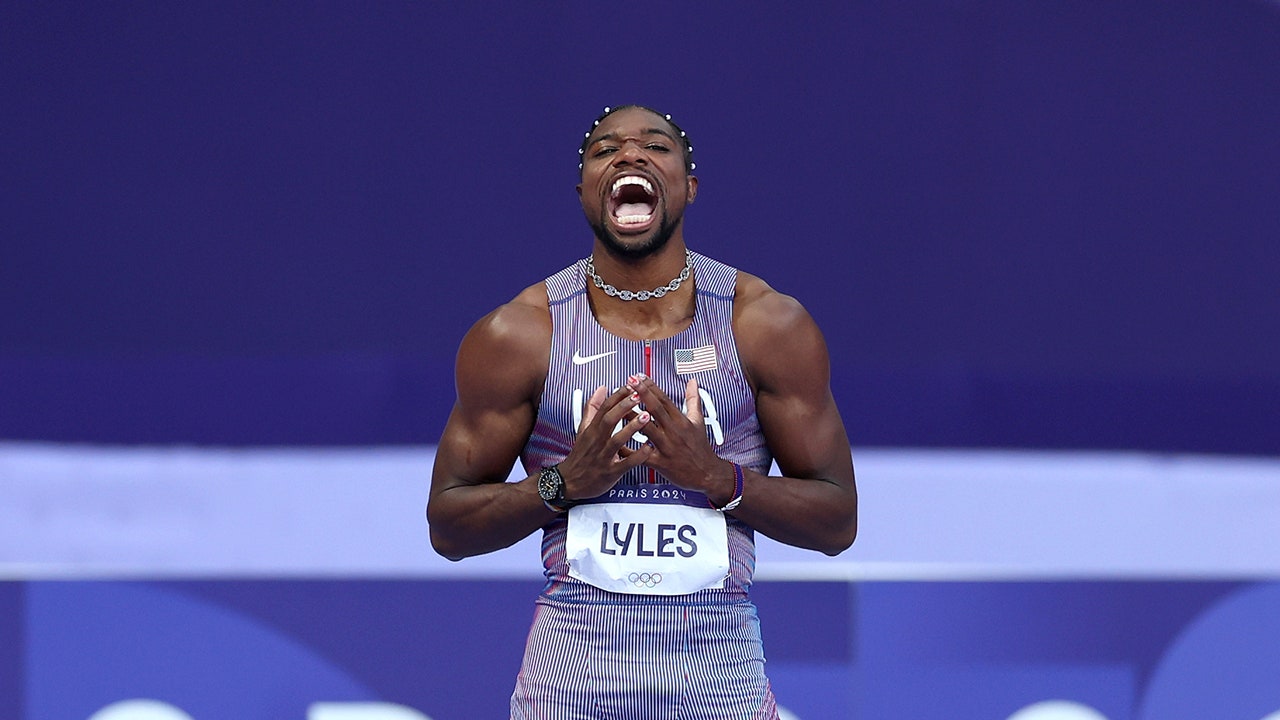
[643, 295]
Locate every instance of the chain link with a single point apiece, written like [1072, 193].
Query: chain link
[643, 295]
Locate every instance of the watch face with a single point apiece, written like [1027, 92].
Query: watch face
[550, 484]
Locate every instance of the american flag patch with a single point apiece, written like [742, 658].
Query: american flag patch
[696, 360]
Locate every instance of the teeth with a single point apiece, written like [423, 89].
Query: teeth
[632, 180]
[633, 219]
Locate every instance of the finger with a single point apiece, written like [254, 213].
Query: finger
[612, 407]
[692, 402]
[593, 406]
[627, 458]
[655, 401]
[624, 458]
[627, 432]
[638, 457]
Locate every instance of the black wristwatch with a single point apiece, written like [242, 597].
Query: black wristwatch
[551, 489]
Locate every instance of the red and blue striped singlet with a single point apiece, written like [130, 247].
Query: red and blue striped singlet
[585, 356]
[593, 654]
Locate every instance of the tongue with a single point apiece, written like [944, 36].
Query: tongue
[626, 209]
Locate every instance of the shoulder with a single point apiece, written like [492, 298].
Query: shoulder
[764, 315]
[523, 319]
[775, 334]
[508, 349]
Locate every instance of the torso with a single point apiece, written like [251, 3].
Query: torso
[584, 355]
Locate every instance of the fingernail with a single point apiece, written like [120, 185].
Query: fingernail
[644, 417]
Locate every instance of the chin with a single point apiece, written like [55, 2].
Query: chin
[634, 246]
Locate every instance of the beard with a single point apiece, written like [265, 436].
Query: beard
[639, 248]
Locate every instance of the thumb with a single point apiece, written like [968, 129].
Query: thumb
[692, 402]
[593, 406]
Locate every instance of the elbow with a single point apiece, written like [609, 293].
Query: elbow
[446, 549]
[843, 536]
[840, 543]
[442, 540]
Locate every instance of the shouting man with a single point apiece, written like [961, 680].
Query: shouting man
[648, 391]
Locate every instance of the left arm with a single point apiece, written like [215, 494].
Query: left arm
[814, 504]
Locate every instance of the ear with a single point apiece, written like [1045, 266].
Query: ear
[691, 188]
[578, 187]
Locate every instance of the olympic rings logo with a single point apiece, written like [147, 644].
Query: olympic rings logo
[648, 580]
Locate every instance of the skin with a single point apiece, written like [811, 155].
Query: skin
[502, 365]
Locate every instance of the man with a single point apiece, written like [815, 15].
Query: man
[647, 390]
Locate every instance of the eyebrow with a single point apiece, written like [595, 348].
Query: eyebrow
[647, 131]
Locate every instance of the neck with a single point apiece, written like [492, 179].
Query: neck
[644, 272]
[657, 317]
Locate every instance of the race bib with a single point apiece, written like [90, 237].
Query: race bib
[646, 548]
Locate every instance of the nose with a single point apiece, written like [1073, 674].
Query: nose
[630, 152]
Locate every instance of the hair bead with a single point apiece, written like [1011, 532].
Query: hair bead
[609, 110]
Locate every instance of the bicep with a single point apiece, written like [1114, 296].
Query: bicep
[500, 370]
[479, 446]
[797, 411]
[806, 435]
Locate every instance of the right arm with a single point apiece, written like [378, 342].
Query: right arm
[472, 509]
[501, 368]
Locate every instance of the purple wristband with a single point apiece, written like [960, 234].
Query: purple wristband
[737, 491]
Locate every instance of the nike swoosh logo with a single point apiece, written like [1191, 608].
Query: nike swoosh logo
[580, 360]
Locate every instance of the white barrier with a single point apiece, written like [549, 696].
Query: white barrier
[83, 511]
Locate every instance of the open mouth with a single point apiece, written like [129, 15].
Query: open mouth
[632, 200]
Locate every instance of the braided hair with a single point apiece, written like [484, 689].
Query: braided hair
[686, 146]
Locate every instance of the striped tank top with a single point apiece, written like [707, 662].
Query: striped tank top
[585, 356]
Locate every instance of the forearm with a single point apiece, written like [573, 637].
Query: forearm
[469, 520]
[813, 514]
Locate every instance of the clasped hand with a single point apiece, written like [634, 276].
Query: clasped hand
[677, 445]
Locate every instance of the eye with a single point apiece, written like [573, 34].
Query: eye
[658, 147]
[604, 150]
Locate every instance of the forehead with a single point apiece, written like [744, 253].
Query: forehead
[631, 122]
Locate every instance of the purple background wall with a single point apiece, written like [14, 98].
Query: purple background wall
[1046, 224]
